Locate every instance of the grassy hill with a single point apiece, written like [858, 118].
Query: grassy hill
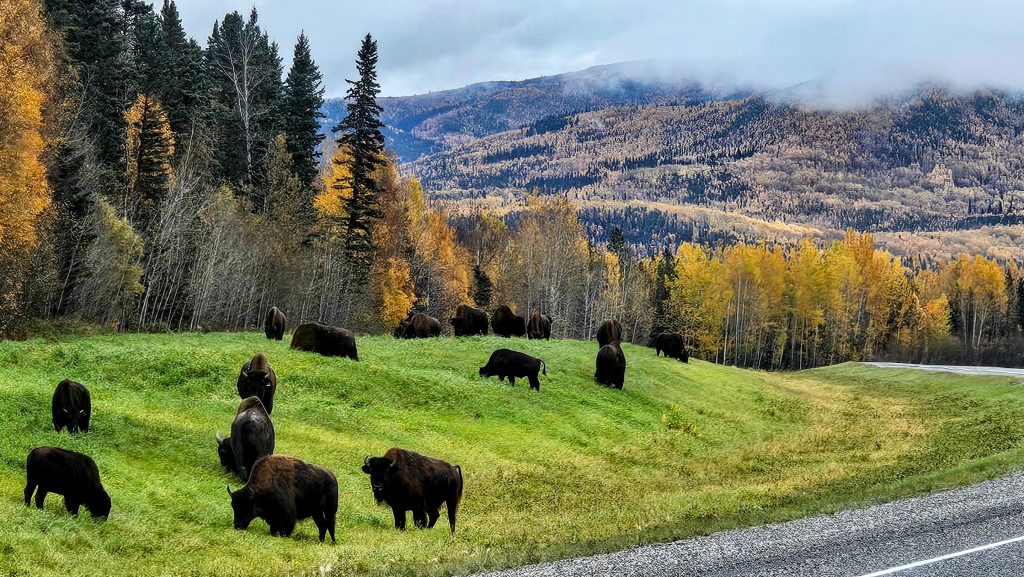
[684, 449]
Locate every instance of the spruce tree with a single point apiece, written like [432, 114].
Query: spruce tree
[665, 274]
[184, 93]
[483, 288]
[360, 132]
[303, 97]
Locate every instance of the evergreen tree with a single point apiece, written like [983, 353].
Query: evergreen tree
[665, 275]
[303, 97]
[245, 71]
[483, 288]
[184, 93]
[150, 149]
[360, 131]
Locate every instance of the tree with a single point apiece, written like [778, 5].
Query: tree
[150, 148]
[186, 85]
[25, 66]
[360, 133]
[303, 98]
[245, 69]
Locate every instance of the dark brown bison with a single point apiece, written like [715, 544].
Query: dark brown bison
[67, 473]
[469, 321]
[539, 326]
[506, 323]
[283, 490]
[611, 365]
[418, 326]
[275, 324]
[512, 364]
[409, 481]
[258, 379]
[252, 437]
[71, 407]
[672, 345]
[609, 331]
[325, 340]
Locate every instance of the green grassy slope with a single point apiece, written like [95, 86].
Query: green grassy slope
[683, 449]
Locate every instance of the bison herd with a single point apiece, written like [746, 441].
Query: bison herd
[283, 490]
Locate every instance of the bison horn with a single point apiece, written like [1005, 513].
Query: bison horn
[366, 460]
[219, 438]
[229, 490]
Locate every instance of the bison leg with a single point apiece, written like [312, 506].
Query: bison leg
[399, 518]
[419, 518]
[29, 489]
[534, 382]
[434, 514]
[72, 506]
[453, 508]
[321, 524]
[511, 380]
[40, 497]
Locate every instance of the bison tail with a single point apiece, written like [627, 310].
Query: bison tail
[544, 368]
[453, 502]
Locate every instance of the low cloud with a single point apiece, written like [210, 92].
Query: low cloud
[839, 52]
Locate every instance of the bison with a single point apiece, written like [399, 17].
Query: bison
[325, 340]
[275, 324]
[506, 323]
[67, 473]
[609, 331]
[539, 326]
[71, 407]
[418, 326]
[672, 345]
[252, 437]
[258, 379]
[408, 481]
[469, 321]
[283, 490]
[512, 364]
[611, 365]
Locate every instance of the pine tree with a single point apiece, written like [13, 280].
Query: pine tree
[483, 288]
[150, 149]
[303, 97]
[184, 94]
[360, 131]
[664, 276]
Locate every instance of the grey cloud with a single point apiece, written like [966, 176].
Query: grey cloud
[848, 51]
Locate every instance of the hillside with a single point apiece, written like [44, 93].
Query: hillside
[427, 123]
[683, 449]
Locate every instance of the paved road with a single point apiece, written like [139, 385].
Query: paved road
[954, 369]
[873, 541]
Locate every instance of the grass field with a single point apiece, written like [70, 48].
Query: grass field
[684, 449]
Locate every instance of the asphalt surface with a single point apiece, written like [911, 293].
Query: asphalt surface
[963, 370]
[907, 538]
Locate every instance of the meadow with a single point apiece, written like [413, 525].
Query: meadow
[684, 449]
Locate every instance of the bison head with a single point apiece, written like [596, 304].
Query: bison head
[380, 470]
[244, 507]
[227, 456]
[75, 419]
[99, 505]
[485, 370]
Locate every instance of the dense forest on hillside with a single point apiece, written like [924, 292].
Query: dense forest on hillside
[936, 162]
[150, 183]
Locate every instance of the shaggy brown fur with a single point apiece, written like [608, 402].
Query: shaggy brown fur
[409, 481]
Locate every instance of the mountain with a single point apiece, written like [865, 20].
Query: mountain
[669, 160]
[424, 124]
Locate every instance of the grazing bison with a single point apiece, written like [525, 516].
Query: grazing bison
[325, 340]
[258, 379]
[275, 324]
[672, 345]
[409, 481]
[539, 326]
[252, 437]
[71, 407]
[418, 326]
[611, 365]
[512, 364]
[67, 473]
[609, 331]
[469, 321]
[283, 490]
[506, 323]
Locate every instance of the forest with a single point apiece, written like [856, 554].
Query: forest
[149, 183]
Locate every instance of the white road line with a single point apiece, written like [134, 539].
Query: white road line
[943, 558]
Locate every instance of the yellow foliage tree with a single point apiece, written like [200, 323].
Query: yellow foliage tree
[25, 67]
[393, 282]
[330, 202]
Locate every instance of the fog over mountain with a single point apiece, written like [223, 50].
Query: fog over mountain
[852, 51]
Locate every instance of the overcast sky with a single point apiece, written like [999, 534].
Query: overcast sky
[858, 49]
